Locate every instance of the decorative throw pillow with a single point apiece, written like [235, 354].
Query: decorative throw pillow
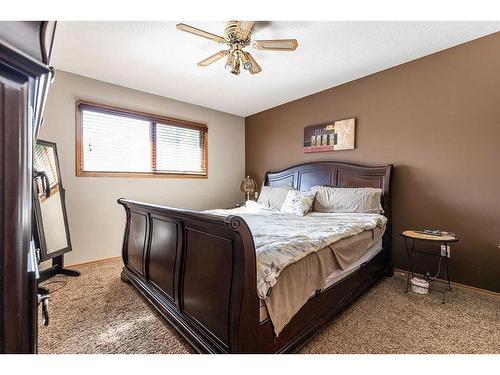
[298, 202]
[273, 197]
[347, 200]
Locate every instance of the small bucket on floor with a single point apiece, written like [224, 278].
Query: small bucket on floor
[419, 286]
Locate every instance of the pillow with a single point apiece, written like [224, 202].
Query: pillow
[273, 197]
[298, 202]
[355, 200]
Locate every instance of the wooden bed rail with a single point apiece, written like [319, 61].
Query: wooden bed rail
[198, 270]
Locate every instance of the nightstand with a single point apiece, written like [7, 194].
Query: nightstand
[443, 238]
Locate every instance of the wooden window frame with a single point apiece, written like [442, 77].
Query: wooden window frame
[153, 119]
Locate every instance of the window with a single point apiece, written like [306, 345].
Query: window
[43, 160]
[118, 142]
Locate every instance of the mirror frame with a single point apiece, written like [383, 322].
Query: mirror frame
[38, 230]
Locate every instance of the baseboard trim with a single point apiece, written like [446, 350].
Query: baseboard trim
[486, 292]
[92, 262]
[403, 272]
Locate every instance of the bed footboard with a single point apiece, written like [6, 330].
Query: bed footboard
[198, 270]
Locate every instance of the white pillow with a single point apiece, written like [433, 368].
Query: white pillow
[273, 197]
[355, 200]
[298, 202]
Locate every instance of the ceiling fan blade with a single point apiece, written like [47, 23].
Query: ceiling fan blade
[244, 28]
[276, 45]
[213, 58]
[202, 33]
[255, 68]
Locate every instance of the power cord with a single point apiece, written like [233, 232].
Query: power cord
[55, 282]
[427, 275]
[438, 271]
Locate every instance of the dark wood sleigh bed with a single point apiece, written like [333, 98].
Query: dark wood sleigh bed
[199, 270]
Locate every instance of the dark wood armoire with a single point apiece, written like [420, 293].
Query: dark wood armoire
[25, 76]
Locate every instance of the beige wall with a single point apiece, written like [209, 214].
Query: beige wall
[437, 119]
[96, 220]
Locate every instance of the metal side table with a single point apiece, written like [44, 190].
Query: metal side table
[410, 237]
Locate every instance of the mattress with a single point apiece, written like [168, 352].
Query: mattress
[338, 274]
[282, 239]
[296, 254]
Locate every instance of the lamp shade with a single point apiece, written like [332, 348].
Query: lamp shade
[248, 186]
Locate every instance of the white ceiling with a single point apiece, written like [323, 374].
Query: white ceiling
[157, 58]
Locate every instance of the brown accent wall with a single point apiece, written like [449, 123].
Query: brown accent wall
[437, 119]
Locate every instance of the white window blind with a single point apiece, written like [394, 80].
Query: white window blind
[178, 149]
[114, 142]
[44, 161]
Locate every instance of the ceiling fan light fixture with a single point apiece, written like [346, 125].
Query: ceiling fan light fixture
[230, 62]
[247, 63]
[237, 36]
[236, 67]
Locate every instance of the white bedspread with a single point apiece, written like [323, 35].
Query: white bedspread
[282, 239]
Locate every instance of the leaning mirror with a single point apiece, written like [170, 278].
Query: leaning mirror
[51, 233]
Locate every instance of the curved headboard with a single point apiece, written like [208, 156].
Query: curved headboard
[337, 174]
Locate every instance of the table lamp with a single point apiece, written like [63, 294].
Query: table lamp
[248, 186]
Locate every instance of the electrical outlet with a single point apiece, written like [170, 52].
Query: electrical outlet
[443, 250]
[446, 251]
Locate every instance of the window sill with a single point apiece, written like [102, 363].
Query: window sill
[140, 175]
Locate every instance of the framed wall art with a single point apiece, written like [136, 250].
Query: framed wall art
[333, 136]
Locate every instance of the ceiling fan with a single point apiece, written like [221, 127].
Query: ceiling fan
[237, 35]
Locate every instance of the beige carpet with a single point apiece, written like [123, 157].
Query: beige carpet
[97, 313]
